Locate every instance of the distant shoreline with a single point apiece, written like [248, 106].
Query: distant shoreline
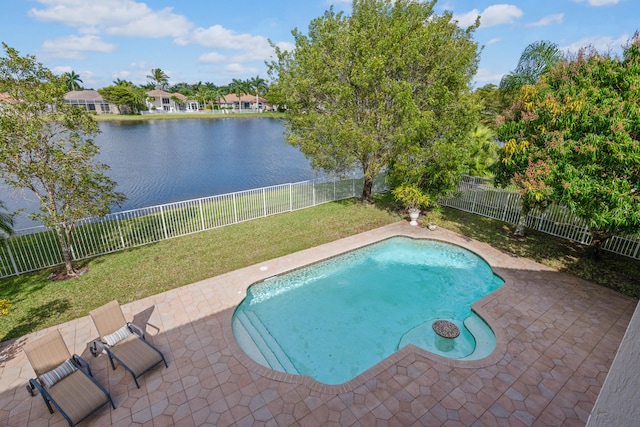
[174, 116]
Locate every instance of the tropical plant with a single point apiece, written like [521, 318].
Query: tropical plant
[483, 151]
[72, 81]
[384, 87]
[46, 147]
[536, 59]
[411, 197]
[573, 139]
[158, 78]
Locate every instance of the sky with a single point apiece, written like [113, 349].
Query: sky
[220, 40]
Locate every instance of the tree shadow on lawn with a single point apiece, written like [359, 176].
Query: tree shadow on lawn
[29, 322]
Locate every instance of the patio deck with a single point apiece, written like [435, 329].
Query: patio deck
[556, 335]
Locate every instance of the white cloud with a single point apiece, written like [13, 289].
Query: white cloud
[484, 76]
[60, 70]
[116, 17]
[75, 47]
[548, 20]
[496, 14]
[600, 43]
[493, 41]
[219, 37]
[211, 57]
[599, 2]
[236, 69]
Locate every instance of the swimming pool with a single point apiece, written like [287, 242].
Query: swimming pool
[336, 319]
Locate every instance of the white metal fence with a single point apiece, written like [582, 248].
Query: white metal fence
[37, 248]
[479, 196]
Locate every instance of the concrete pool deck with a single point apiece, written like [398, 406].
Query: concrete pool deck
[557, 336]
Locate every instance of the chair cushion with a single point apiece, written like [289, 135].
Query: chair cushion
[117, 336]
[55, 375]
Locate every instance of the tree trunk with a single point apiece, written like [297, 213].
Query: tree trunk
[66, 251]
[522, 223]
[599, 237]
[366, 189]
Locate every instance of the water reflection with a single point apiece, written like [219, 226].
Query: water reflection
[162, 161]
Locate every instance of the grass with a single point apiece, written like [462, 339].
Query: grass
[176, 116]
[136, 273]
[133, 274]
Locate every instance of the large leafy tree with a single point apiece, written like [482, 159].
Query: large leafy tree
[386, 87]
[128, 98]
[493, 104]
[574, 139]
[46, 147]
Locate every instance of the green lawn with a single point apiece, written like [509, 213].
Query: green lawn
[147, 270]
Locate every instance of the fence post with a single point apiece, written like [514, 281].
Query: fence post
[201, 214]
[264, 202]
[313, 201]
[290, 197]
[235, 209]
[13, 261]
[164, 223]
[120, 233]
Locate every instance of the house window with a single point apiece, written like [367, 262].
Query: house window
[165, 101]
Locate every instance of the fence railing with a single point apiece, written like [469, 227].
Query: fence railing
[37, 248]
[479, 196]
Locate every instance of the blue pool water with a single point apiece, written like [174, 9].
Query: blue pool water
[336, 319]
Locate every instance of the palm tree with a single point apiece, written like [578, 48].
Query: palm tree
[72, 80]
[120, 82]
[536, 60]
[238, 87]
[159, 78]
[258, 86]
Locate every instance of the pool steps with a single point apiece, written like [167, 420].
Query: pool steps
[484, 336]
[265, 349]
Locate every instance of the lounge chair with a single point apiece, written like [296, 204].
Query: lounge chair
[64, 380]
[123, 341]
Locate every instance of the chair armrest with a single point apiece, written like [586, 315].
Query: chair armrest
[136, 330]
[82, 364]
[34, 383]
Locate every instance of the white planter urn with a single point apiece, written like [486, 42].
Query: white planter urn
[414, 214]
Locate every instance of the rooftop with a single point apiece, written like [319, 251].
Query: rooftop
[557, 336]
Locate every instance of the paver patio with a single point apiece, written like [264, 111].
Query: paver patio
[556, 336]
